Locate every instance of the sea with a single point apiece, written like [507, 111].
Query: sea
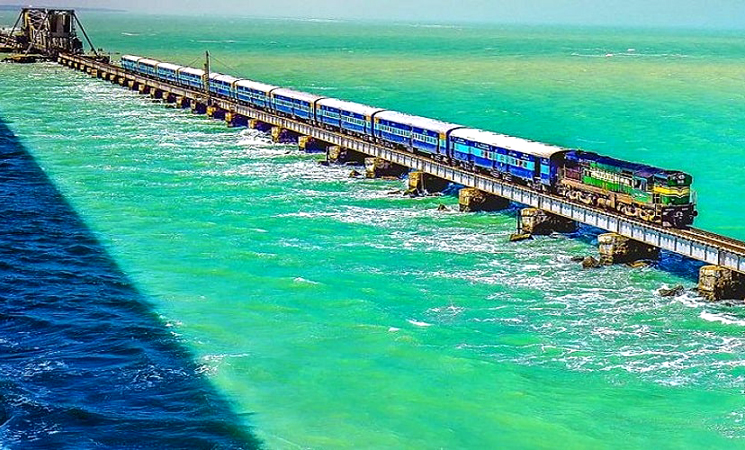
[169, 282]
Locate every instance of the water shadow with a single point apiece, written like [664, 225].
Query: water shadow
[84, 360]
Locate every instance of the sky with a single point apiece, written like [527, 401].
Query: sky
[674, 13]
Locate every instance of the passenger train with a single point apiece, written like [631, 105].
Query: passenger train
[635, 190]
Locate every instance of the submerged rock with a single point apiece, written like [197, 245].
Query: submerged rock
[354, 174]
[590, 263]
[442, 207]
[642, 263]
[578, 258]
[674, 292]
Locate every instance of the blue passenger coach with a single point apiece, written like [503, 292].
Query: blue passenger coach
[346, 116]
[168, 72]
[420, 133]
[295, 103]
[148, 67]
[254, 93]
[129, 62]
[191, 77]
[222, 85]
[507, 156]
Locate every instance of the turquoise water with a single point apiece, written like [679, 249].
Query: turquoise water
[332, 314]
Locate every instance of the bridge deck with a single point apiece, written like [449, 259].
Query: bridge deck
[693, 243]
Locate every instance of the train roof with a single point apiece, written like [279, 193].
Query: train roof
[506, 142]
[357, 108]
[131, 58]
[169, 66]
[192, 71]
[426, 123]
[348, 106]
[148, 62]
[222, 77]
[263, 87]
[297, 95]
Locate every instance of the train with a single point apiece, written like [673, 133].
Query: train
[650, 194]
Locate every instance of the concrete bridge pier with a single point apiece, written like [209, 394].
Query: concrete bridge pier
[234, 120]
[216, 112]
[718, 283]
[168, 97]
[340, 155]
[259, 125]
[197, 107]
[311, 145]
[617, 249]
[379, 167]
[284, 136]
[475, 200]
[182, 102]
[422, 183]
[537, 222]
[156, 93]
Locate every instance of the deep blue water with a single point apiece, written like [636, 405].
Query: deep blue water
[84, 361]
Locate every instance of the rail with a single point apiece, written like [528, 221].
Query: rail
[694, 243]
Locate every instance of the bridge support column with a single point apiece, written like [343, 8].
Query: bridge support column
[718, 283]
[311, 145]
[422, 183]
[235, 120]
[283, 136]
[340, 155]
[537, 222]
[379, 167]
[156, 93]
[474, 200]
[168, 97]
[182, 102]
[259, 125]
[216, 112]
[617, 249]
[143, 89]
[198, 108]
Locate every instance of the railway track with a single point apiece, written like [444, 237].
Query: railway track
[710, 238]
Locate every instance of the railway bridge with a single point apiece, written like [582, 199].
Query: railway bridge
[626, 238]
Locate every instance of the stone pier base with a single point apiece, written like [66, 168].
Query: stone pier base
[617, 249]
[340, 155]
[198, 108]
[473, 200]
[422, 183]
[311, 145]
[283, 136]
[535, 221]
[182, 102]
[379, 167]
[718, 283]
[216, 112]
[259, 125]
[234, 120]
